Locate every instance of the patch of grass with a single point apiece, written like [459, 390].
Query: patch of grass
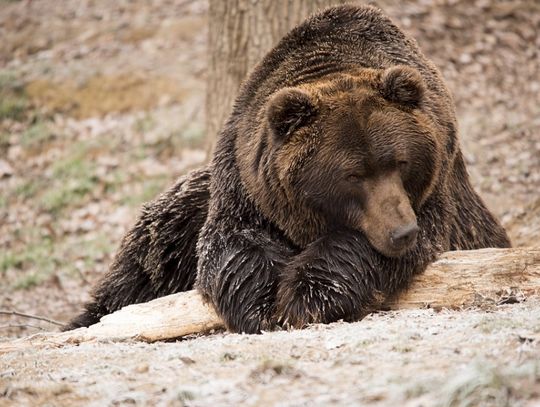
[28, 281]
[227, 357]
[69, 181]
[185, 395]
[193, 136]
[3, 201]
[402, 348]
[8, 260]
[4, 143]
[90, 250]
[98, 246]
[148, 189]
[144, 124]
[102, 94]
[12, 108]
[13, 99]
[73, 179]
[43, 257]
[67, 194]
[27, 189]
[36, 134]
[37, 258]
[166, 145]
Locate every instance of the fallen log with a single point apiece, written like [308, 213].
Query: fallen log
[458, 279]
[475, 278]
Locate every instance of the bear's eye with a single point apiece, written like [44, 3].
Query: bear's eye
[354, 178]
[403, 164]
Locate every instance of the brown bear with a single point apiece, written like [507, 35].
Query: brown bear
[337, 178]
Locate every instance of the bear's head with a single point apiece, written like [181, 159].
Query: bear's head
[350, 151]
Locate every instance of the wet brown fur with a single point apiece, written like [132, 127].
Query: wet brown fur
[343, 134]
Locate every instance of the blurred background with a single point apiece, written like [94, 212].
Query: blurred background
[103, 104]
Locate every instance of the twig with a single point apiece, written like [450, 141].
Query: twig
[21, 326]
[21, 314]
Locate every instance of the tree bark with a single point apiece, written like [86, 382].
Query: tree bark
[460, 279]
[241, 32]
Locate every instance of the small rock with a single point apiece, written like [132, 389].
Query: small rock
[187, 360]
[465, 58]
[5, 169]
[142, 368]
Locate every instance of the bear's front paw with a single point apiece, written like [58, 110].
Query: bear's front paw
[308, 295]
[313, 292]
[254, 320]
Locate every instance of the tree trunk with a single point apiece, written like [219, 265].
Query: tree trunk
[241, 32]
[476, 278]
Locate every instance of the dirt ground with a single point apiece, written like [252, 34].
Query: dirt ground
[102, 107]
[407, 358]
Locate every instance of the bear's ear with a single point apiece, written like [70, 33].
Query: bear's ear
[402, 84]
[289, 109]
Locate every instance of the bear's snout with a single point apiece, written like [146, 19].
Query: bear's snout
[402, 238]
[389, 220]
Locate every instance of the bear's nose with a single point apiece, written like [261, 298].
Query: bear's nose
[404, 236]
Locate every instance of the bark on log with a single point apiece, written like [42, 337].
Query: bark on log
[475, 278]
[458, 279]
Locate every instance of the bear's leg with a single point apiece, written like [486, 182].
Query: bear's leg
[339, 277]
[158, 255]
[238, 273]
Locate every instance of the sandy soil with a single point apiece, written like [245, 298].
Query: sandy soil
[102, 106]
